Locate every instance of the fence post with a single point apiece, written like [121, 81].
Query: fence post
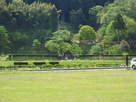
[10, 57]
[127, 60]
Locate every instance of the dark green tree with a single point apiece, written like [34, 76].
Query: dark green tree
[93, 15]
[77, 17]
[4, 40]
[18, 41]
[119, 23]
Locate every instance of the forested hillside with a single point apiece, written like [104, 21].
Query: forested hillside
[68, 26]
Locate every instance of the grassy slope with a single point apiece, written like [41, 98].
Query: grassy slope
[68, 86]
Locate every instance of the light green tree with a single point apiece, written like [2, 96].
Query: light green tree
[53, 46]
[87, 33]
[76, 49]
[61, 35]
[97, 49]
[61, 43]
[131, 31]
[36, 44]
[101, 33]
[65, 47]
[114, 50]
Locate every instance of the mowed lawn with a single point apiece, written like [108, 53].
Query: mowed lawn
[68, 86]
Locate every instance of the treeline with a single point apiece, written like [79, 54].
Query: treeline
[22, 23]
[68, 26]
[74, 12]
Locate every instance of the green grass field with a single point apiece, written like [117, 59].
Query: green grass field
[68, 86]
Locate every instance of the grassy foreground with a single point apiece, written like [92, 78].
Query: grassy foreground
[68, 86]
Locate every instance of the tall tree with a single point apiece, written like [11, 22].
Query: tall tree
[4, 39]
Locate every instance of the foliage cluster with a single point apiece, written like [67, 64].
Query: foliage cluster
[72, 26]
[22, 23]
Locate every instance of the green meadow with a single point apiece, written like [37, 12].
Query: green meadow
[68, 86]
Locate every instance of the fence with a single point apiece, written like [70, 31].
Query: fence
[54, 56]
[126, 58]
[54, 61]
[31, 57]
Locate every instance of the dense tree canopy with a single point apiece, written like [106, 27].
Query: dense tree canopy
[19, 15]
[68, 26]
